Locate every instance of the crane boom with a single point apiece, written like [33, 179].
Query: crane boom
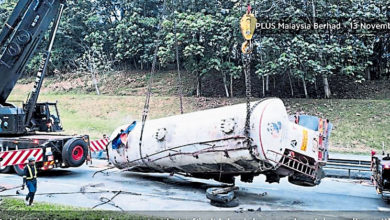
[32, 101]
[20, 37]
[13, 20]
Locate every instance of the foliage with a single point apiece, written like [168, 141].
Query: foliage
[122, 35]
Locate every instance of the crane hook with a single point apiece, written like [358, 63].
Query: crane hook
[248, 26]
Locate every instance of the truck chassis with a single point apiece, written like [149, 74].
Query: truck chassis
[50, 151]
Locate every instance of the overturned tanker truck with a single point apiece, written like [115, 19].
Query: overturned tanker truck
[212, 144]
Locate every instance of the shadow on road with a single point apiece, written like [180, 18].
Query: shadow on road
[174, 181]
[58, 173]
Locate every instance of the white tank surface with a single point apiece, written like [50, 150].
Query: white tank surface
[213, 144]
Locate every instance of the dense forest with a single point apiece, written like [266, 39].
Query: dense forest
[105, 36]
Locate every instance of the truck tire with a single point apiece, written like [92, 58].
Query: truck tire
[222, 197]
[75, 152]
[302, 180]
[5, 169]
[231, 204]
[19, 169]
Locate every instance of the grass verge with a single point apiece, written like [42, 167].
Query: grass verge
[16, 209]
[359, 125]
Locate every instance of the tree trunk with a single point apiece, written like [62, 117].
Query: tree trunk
[326, 87]
[368, 73]
[267, 83]
[92, 69]
[95, 83]
[304, 87]
[291, 85]
[231, 85]
[135, 64]
[225, 84]
[274, 82]
[180, 82]
[198, 86]
[262, 77]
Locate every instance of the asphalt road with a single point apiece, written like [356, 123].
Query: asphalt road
[162, 192]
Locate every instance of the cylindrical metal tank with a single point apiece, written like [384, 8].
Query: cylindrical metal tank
[212, 143]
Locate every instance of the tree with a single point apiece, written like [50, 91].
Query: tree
[121, 35]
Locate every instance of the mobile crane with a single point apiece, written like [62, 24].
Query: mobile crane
[30, 130]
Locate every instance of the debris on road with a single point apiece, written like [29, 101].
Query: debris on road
[240, 210]
[222, 197]
[223, 190]
[4, 188]
[83, 188]
[102, 171]
[263, 194]
[107, 201]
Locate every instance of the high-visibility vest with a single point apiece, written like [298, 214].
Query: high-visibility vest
[30, 177]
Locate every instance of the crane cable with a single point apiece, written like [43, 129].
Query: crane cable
[248, 26]
[180, 82]
[150, 83]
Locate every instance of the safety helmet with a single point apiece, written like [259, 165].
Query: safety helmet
[31, 159]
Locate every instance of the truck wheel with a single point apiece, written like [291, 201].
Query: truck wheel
[5, 169]
[75, 152]
[301, 180]
[19, 169]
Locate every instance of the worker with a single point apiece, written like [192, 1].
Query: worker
[100, 153]
[30, 179]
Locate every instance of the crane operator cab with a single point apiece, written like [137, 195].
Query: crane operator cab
[11, 120]
[45, 118]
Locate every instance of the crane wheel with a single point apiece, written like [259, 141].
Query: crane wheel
[19, 169]
[75, 152]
